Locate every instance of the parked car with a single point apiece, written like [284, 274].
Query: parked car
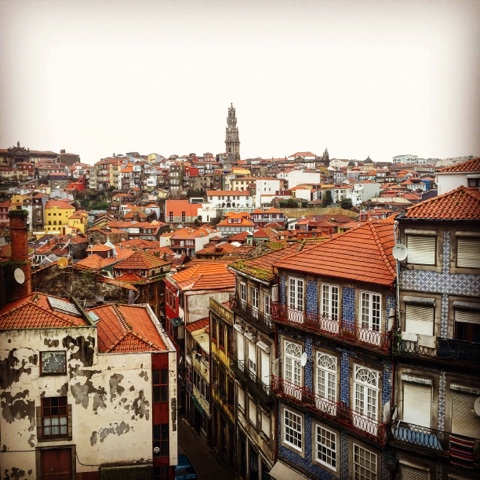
[184, 470]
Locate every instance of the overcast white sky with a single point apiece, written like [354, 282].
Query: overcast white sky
[360, 77]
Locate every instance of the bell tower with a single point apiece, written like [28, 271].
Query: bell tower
[232, 141]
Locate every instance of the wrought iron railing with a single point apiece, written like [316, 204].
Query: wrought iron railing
[447, 350]
[349, 332]
[252, 315]
[462, 451]
[348, 417]
[262, 389]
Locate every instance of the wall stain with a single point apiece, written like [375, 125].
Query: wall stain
[15, 474]
[143, 374]
[173, 410]
[85, 352]
[51, 342]
[11, 370]
[140, 406]
[119, 429]
[16, 407]
[115, 387]
[31, 441]
[99, 399]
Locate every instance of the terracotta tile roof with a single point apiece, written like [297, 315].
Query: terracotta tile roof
[94, 262]
[244, 222]
[99, 248]
[239, 237]
[58, 204]
[198, 325]
[208, 275]
[362, 254]
[40, 311]
[469, 166]
[261, 267]
[127, 329]
[460, 204]
[190, 233]
[116, 282]
[140, 260]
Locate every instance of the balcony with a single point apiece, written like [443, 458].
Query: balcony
[444, 350]
[252, 315]
[338, 329]
[304, 398]
[262, 390]
[461, 451]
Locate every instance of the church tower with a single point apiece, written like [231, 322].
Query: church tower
[232, 141]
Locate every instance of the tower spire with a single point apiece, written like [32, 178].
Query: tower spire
[232, 140]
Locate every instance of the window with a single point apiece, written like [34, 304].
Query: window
[254, 293]
[326, 385]
[468, 249]
[55, 415]
[325, 444]
[292, 429]
[422, 249]
[467, 324]
[292, 370]
[53, 363]
[366, 398]
[330, 294]
[243, 293]
[221, 336]
[160, 440]
[252, 411]
[241, 399]
[170, 217]
[419, 318]
[417, 403]
[267, 299]
[213, 333]
[252, 359]
[266, 423]
[370, 311]
[160, 385]
[364, 463]
[183, 216]
[295, 293]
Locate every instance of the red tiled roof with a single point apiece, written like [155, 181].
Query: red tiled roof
[460, 204]
[205, 276]
[140, 260]
[94, 262]
[362, 254]
[127, 329]
[469, 166]
[198, 325]
[58, 204]
[36, 311]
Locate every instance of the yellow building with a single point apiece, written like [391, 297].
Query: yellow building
[57, 215]
[77, 223]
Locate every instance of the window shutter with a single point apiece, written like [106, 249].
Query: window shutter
[240, 351]
[468, 252]
[266, 424]
[417, 403]
[411, 473]
[265, 359]
[419, 319]
[464, 421]
[421, 249]
[467, 316]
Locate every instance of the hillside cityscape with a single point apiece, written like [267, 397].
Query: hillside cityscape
[206, 315]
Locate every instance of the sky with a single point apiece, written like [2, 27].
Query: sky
[362, 78]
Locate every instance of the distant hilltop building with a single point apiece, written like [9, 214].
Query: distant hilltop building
[232, 140]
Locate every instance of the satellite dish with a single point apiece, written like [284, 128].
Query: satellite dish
[399, 252]
[476, 406]
[19, 276]
[62, 262]
[303, 359]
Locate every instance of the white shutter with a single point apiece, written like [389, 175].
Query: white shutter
[419, 319]
[421, 249]
[252, 357]
[241, 399]
[240, 350]
[467, 316]
[411, 473]
[464, 421]
[266, 424]
[417, 404]
[265, 366]
[468, 252]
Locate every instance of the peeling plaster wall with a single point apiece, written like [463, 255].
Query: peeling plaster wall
[199, 303]
[109, 394]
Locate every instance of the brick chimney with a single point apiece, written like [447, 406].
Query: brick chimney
[19, 287]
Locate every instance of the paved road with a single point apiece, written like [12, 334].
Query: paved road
[203, 459]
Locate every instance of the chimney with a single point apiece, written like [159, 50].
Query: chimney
[21, 276]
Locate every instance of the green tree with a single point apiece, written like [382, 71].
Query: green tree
[346, 204]
[327, 199]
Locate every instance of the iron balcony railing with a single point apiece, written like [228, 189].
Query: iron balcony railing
[445, 350]
[462, 451]
[252, 315]
[339, 411]
[263, 390]
[346, 331]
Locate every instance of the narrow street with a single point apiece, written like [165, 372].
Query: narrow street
[202, 458]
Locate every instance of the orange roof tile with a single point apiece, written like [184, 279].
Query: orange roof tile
[205, 276]
[469, 166]
[460, 204]
[127, 329]
[140, 260]
[362, 254]
[198, 325]
[40, 311]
